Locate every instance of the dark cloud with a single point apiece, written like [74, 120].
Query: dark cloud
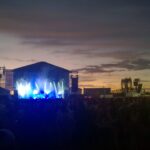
[127, 54]
[139, 64]
[17, 59]
[118, 29]
[95, 69]
[135, 65]
[120, 54]
[82, 19]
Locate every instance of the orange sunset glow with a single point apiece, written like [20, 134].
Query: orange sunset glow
[104, 42]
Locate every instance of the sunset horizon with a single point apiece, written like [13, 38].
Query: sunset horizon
[104, 41]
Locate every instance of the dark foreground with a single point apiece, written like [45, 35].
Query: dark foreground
[75, 123]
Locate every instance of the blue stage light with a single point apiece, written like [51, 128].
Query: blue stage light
[40, 90]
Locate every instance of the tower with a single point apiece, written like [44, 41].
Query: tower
[126, 85]
[74, 82]
[138, 85]
[2, 77]
[6, 78]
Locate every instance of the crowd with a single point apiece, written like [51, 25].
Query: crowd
[75, 123]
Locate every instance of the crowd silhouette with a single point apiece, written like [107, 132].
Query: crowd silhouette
[75, 123]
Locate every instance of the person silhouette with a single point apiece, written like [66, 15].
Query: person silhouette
[7, 140]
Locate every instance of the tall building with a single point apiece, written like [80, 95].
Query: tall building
[74, 83]
[6, 78]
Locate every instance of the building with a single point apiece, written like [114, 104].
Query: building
[2, 77]
[6, 78]
[74, 83]
[38, 80]
[97, 92]
[43, 77]
[131, 88]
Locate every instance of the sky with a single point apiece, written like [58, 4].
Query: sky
[104, 40]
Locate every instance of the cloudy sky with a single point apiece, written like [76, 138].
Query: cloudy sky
[104, 40]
